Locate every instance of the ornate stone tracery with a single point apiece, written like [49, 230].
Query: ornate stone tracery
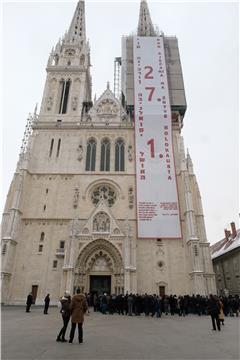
[101, 261]
[99, 256]
[103, 246]
[70, 52]
[101, 264]
[101, 222]
[103, 192]
[107, 107]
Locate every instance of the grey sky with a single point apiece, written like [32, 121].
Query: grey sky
[208, 43]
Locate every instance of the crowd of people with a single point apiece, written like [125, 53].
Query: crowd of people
[76, 306]
[154, 305]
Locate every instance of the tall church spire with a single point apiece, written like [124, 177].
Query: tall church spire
[77, 32]
[145, 25]
[68, 83]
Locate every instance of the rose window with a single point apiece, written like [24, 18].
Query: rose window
[103, 192]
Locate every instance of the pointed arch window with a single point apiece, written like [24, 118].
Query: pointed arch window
[119, 155]
[64, 90]
[91, 155]
[105, 155]
[51, 148]
[58, 147]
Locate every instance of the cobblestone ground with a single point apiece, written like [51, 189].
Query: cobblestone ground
[33, 336]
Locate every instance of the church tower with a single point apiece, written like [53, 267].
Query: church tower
[71, 214]
[67, 92]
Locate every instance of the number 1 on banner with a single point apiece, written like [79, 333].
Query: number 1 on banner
[151, 143]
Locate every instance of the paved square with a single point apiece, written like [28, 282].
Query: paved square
[33, 336]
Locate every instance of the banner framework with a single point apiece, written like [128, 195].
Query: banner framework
[157, 197]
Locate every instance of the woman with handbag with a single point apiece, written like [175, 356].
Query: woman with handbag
[66, 314]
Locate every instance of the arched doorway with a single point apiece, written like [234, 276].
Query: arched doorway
[99, 268]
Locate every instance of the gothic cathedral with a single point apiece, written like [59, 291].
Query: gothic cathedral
[70, 219]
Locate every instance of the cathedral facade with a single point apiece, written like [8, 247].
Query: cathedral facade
[70, 219]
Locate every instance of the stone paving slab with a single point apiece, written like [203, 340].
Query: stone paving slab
[33, 336]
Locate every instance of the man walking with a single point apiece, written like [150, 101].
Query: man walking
[29, 302]
[47, 302]
[214, 310]
[78, 308]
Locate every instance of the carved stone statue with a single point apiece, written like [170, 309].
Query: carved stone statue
[82, 60]
[80, 152]
[95, 225]
[107, 225]
[130, 155]
[124, 117]
[107, 107]
[56, 59]
[49, 103]
[75, 198]
[130, 198]
[101, 222]
[74, 103]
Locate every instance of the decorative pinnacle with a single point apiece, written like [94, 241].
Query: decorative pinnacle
[35, 109]
[189, 163]
[145, 25]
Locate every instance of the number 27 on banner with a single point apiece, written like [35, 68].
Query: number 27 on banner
[149, 89]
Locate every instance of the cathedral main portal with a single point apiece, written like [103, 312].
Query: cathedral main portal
[100, 284]
[99, 268]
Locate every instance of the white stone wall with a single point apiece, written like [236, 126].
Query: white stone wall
[36, 268]
[51, 181]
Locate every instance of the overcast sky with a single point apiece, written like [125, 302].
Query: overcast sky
[208, 42]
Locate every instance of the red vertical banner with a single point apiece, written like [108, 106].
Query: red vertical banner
[157, 198]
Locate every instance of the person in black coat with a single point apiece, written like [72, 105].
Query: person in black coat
[214, 311]
[29, 302]
[46, 301]
[146, 304]
[66, 314]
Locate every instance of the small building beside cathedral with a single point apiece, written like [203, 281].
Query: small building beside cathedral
[77, 214]
[226, 262]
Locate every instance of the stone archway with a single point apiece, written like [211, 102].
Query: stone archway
[99, 258]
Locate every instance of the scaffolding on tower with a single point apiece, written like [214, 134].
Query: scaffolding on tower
[117, 76]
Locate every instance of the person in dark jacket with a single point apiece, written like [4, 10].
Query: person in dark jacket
[130, 304]
[65, 311]
[214, 311]
[29, 302]
[78, 308]
[47, 302]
